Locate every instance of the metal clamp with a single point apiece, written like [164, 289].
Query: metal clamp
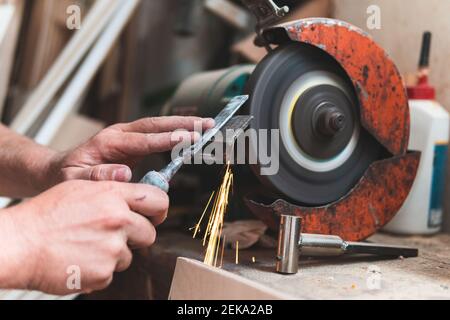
[267, 13]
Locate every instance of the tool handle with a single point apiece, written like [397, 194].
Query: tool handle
[156, 179]
[161, 179]
[381, 250]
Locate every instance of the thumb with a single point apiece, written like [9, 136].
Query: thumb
[108, 172]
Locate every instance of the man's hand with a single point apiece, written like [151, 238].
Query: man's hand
[89, 225]
[110, 155]
[27, 169]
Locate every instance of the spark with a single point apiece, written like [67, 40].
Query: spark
[253, 259]
[223, 251]
[213, 233]
[197, 226]
[237, 252]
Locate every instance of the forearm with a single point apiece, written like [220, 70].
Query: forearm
[16, 262]
[24, 165]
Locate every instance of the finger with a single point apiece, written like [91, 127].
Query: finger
[144, 199]
[139, 144]
[107, 172]
[124, 262]
[162, 142]
[167, 124]
[141, 233]
[159, 220]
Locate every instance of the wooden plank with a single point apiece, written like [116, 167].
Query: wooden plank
[69, 101]
[11, 13]
[45, 38]
[94, 24]
[6, 16]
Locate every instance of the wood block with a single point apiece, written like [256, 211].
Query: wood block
[193, 280]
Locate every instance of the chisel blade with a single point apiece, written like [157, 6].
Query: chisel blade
[221, 120]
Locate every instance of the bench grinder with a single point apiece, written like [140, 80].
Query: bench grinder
[342, 111]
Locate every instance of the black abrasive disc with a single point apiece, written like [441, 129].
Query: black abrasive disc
[305, 94]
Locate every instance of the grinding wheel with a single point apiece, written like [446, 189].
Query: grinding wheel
[324, 151]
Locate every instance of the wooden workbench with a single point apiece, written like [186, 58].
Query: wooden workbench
[426, 277]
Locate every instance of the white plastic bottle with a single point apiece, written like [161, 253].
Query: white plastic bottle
[422, 213]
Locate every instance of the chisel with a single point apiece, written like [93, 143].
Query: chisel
[162, 178]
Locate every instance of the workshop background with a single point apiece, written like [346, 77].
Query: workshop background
[136, 61]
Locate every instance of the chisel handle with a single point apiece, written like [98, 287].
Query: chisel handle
[162, 178]
[156, 179]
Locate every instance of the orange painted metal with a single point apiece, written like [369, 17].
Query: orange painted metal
[371, 205]
[384, 113]
[378, 84]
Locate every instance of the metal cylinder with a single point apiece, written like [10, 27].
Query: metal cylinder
[287, 254]
[313, 245]
[206, 94]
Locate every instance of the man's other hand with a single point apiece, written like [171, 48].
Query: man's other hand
[88, 225]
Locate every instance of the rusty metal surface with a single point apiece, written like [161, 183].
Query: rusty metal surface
[370, 205]
[378, 84]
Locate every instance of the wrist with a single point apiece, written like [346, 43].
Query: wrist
[45, 169]
[51, 174]
[17, 257]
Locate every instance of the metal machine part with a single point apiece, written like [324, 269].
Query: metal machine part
[161, 179]
[267, 13]
[378, 85]
[292, 244]
[301, 91]
[287, 251]
[344, 125]
[207, 93]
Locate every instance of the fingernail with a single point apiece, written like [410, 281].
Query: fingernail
[209, 122]
[122, 175]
